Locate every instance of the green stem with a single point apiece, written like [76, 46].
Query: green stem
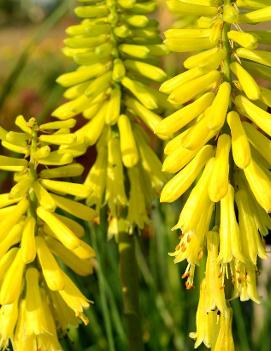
[130, 291]
[103, 297]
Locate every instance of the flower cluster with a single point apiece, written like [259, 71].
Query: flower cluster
[219, 150]
[117, 48]
[40, 239]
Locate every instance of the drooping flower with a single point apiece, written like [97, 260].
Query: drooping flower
[221, 107]
[116, 46]
[37, 297]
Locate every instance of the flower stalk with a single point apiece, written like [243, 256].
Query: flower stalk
[130, 290]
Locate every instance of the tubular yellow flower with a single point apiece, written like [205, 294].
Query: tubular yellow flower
[230, 240]
[8, 320]
[217, 113]
[240, 145]
[182, 117]
[28, 244]
[35, 318]
[12, 283]
[127, 142]
[259, 181]
[218, 184]
[184, 179]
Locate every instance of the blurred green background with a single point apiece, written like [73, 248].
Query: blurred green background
[31, 35]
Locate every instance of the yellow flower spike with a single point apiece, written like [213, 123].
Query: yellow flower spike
[225, 339]
[191, 89]
[215, 295]
[137, 212]
[240, 145]
[61, 231]
[218, 185]
[35, 323]
[13, 280]
[217, 113]
[28, 242]
[230, 240]
[128, 147]
[74, 299]
[8, 320]
[51, 271]
[172, 123]
[184, 179]
[259, 141]
[221, 44]
[247, 82]
[259, 181]
[117, 52]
